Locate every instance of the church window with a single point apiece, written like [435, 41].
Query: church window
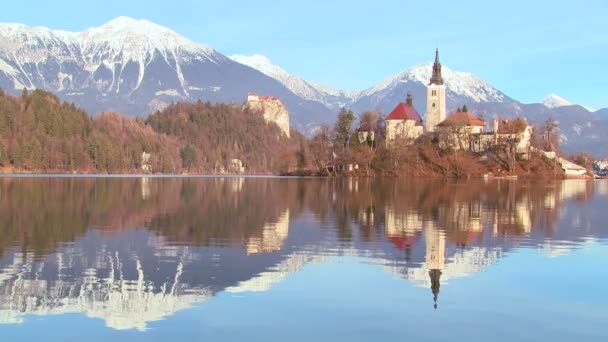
[433, 105]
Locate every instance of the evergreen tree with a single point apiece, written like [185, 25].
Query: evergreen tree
[301, 156]
[465, 109]
[344, 126]
[458, 110]
[188, 156]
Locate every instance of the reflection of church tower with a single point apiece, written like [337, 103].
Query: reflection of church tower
[435, 97]
[435, 284]
[435, 257]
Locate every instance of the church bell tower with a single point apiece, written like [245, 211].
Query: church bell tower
[435, 97]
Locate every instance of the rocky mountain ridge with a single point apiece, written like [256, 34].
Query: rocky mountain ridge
[137, 67]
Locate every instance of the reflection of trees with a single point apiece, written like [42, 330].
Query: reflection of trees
[223, 211]
[463, 210]
[411, 227]
[37, 214]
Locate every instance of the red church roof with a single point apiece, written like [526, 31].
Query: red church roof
[461, 119]
[405, 111]
[401, 242]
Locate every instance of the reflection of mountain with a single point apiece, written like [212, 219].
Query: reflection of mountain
[132, 251]
[108, 283]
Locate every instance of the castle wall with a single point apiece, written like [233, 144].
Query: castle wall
[272, 109]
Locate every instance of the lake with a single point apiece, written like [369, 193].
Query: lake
[281, 259]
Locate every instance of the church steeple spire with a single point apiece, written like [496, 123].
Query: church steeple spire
[435, 284]
[436, 78]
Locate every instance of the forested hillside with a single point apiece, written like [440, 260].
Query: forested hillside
[40, 133]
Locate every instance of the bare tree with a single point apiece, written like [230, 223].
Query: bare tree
[321, 148]
[506, 153]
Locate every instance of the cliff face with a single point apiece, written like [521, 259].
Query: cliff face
[273, 110]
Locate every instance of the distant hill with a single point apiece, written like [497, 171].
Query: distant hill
[40, 133]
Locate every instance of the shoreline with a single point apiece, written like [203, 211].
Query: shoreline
[288, 175]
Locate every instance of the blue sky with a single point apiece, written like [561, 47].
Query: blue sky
[527, 49]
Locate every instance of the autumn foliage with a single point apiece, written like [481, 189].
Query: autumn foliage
[40, 133]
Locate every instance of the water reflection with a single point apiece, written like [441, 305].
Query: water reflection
[132, 251]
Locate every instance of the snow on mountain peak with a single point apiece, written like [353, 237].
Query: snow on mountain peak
[110, 46]
[461, 83]
[262, 64]
[128, 22]
[124, 31]
[294, 83]
[554, 101]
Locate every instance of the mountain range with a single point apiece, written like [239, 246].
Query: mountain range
[137, 67]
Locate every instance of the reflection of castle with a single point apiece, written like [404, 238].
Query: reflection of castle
[273, 236]
[132, 277]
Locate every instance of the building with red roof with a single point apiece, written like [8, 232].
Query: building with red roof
[456, 130]
[462, 119]
[404, 122]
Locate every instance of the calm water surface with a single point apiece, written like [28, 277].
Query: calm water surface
[234, 259]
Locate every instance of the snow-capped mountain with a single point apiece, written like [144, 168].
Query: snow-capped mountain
[554, 101]
[329, 97]
[134, 67]
[580, 127]
[462, 88]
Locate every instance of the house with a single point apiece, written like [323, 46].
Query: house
[455, 132]
[516, 132]
[146, 161]
[404, 122]
[366, 133]
[571, 169]
[236, 166]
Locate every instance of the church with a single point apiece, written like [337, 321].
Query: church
[435, 98]
[404, 123]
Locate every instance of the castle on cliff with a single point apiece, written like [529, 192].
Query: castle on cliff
[272, 109]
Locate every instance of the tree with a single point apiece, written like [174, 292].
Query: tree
[301, 156]
[368, 121]
[551, 135]
[188, 156]
[465, 109]
[458, 110]
[506, 153]
[380, 130]
[344, 127]
[321, 148]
